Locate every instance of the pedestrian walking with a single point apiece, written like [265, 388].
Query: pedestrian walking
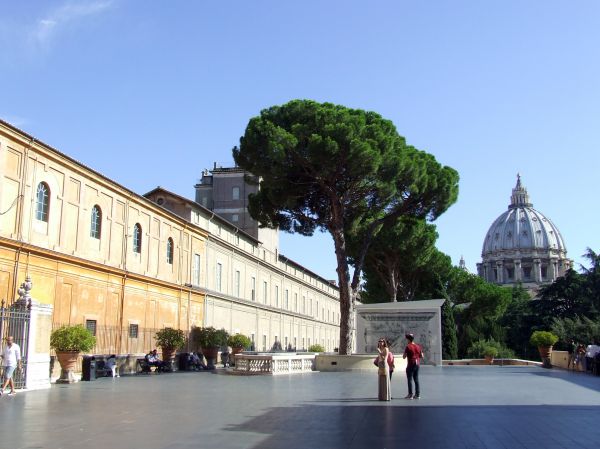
[11, 360]
[413, 353]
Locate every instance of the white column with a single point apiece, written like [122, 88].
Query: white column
[518, 273]
[38, 347]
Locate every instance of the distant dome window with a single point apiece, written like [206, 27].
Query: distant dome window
[525, 234]
[160, 201]
[497, 236]
[509, 235]
[534, 219]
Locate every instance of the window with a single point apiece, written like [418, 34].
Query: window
[235, 193]
[277, 296]
[170, 251]
[253, 287]
[264, 345]
[91, 326]
[218, 273]
[264, 292]
[42, 203]
[137, 238]
[235, 218]
[133, 331]
[544, 272]
[96, 223]
[527, 272]
[236, 286]
[196, 272]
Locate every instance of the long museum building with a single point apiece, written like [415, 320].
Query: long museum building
[125, 265]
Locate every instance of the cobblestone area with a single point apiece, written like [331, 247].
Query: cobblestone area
[461, 407]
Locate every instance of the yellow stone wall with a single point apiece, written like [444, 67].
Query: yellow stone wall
[83, 277]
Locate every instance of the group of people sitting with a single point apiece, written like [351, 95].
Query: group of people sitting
[195, 361]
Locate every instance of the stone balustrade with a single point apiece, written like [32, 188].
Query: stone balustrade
[274, 364]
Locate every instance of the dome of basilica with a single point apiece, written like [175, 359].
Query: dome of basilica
[523, 245]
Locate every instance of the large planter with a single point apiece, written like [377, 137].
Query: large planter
[234, 352]
[211, 355]
[489, 360]
[545, 354]
[68, 362]
[168, 356]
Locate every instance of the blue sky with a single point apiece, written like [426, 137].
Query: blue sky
[151, 93]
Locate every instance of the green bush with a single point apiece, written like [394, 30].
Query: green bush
[169, 338]
[543, 338]
[209, 337]
[491, 347]
[72, 338]
[316, 348]
[239, 341]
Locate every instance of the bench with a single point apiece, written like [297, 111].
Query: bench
[101, 369]
[143, 367]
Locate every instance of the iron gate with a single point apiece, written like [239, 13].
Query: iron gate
[14, 320]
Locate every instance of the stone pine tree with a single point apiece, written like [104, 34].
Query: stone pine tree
[398, 258]
[328, 167]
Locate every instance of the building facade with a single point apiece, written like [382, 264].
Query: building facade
[125, 265]
[522, 246]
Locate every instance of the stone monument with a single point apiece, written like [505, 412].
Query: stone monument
[394, 319]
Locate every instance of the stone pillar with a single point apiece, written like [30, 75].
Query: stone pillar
[518, 272]
[537, 270]
[554, 270]
[500, 271]
[38, 347]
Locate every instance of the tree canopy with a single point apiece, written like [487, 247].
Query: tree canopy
[340, 170]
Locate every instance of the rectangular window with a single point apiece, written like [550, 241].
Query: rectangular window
[303, 347]
[277, 296]
[237, 283]
[264, 292]
[286, 344]
[196, 272]
[235, 218]
[235, 193]
[218, 273]
[317, 309]
[264, 345]
[294, 343]
[133, 331]
[91, 326]
[253, 292]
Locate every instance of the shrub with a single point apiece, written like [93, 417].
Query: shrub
[72, 338]
[481, 348]
[316, 348]
[209, 337]
[169, 338]
[543, 338]
[239, 341]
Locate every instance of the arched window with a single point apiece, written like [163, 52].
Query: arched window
[96, 223]
[170, 251]
[42, 204]
[137, 238]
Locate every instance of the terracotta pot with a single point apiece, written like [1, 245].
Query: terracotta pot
[68, 363]
[168, 357]
[545, 354]
[211, 355]
[235, 351]
[489, 360]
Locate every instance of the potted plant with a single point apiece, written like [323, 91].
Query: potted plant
[316, 348]
[169, 340]
[490, 352]
[209, 340]
[544, 341]
[69, 342]
[238, 343]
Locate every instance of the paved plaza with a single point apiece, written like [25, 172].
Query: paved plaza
[461, 407]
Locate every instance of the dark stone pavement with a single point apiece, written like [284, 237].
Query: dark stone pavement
[461, 407]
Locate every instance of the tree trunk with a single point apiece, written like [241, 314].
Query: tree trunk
[347, 295]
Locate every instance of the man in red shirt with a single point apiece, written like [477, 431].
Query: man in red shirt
[414, 354]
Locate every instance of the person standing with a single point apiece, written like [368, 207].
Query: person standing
[383, 371]
[11, 360]
[572, 351]
[413, 353]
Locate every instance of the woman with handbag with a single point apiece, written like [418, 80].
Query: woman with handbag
[383, 371]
